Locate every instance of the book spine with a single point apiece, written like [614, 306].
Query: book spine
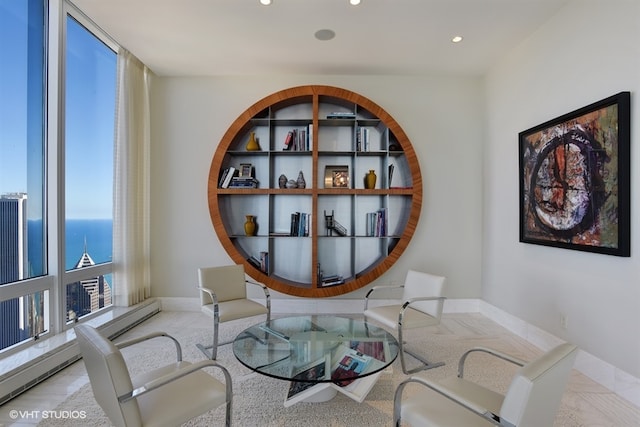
[227, 179]
[288, 140]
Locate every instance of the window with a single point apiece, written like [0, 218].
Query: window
[89, 140]
[35, 183]
[22, 172]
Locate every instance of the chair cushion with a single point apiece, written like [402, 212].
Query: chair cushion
[179, 401]
[430, 409]
[235, 309]
[473, 392]
[387, 315]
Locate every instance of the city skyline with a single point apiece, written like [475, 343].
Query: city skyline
[25, 317]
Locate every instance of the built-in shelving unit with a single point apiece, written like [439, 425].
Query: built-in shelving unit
[344, 235]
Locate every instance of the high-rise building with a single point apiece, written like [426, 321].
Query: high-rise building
[15, 319]
[86, 296]
[13, 237]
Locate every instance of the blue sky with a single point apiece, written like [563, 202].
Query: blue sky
[90, 108]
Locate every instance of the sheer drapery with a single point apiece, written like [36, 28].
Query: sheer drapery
[131, 248]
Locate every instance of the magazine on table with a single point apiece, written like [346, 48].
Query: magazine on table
[351, 359]
[299, 389]
[349, 367]
[358, 358]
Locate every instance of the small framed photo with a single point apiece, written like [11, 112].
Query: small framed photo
[336, 176]
[246, 169]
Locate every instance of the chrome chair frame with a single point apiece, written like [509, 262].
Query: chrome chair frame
[211, 351]
[425, 363]
[177, 373]
[472, 402]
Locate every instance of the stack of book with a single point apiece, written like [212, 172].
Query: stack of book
[299, 139]
[362, 139]
[243, 182]
[261, 264]
[341, 115]
[332, 280]
[300, 222]
[377, 223]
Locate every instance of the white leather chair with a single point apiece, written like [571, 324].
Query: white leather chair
[223, 296]
[420, 307]
[164, 396]
[532, 398]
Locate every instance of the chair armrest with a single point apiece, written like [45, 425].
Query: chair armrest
[377, 288]
[416, 299]
[410, 301]
[498, 354]
[264, 289]
[446, 392]
[210, 293]
[186, 370]
[127, 343]
[267, 296]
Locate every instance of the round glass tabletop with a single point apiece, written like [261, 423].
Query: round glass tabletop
[315, 349]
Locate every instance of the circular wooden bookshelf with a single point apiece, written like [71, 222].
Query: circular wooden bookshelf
[332, 235]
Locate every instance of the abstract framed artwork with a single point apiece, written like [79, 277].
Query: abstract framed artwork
[575, 179]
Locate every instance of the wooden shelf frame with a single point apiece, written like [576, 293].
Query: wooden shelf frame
[261, 114]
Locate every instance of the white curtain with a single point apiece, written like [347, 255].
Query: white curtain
[131, 248]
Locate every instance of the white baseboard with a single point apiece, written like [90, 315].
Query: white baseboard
[618, 381]
[614, 379]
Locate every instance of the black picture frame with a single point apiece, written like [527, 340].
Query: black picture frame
[575, 179]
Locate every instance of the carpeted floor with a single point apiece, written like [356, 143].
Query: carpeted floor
[258, 400]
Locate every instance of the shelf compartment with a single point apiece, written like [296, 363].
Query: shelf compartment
[233, 211]
[291, 259]
[335, 257]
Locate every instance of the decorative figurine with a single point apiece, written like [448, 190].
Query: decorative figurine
[282, 181]
[301, 182]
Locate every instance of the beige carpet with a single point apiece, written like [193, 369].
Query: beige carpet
[258, 400]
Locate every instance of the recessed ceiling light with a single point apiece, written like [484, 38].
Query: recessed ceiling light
[457, 39]
[265, 2]
[354, 2]
[325, 34]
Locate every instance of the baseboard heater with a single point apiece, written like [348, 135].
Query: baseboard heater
[35, 371]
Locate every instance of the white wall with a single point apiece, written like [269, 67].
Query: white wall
[443, 117]
[587, 52]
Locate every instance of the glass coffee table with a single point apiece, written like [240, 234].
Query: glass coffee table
[319, 355]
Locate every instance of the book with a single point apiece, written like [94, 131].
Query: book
[350, 366]
[223, 176]
[264, 262]
[254, 261]
[341, 115]
[299, 390]
[288, 140]
[310, 137]
[227, 179]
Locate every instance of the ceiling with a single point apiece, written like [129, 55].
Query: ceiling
[243, 37]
